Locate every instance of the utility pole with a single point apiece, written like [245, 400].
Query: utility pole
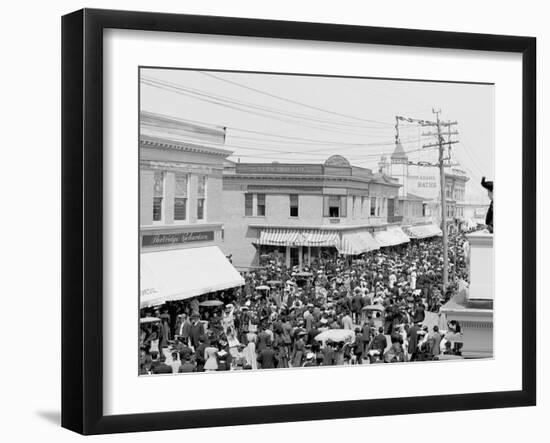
[442, 159]
[443, 204]
[441, 142]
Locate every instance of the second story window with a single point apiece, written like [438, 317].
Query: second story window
[248, 204]
[448, 191]
[373, 206]
[201, 197]
[158, 196]
[260, 205]
[334, 206]
[180, 197]
[293, 205]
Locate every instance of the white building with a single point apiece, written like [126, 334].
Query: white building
[181, 228]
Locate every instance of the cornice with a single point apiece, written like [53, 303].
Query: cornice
[153, 142]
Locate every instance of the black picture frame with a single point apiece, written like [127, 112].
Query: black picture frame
[82, 220]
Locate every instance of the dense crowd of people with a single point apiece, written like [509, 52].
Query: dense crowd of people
[336, 310]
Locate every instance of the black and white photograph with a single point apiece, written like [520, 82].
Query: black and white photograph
[267, 221]
[296, 221]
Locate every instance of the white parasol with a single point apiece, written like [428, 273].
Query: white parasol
[149, 320]
[335, 335]
[211, 303]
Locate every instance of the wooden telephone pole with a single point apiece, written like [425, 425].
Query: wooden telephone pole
[443, 161]
[441, 142]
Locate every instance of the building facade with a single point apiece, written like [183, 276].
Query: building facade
[298, 210]
[180, 208]
[417, 203]
[180, 183]
[420, 192]
[455, 193]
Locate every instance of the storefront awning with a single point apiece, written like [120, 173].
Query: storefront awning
[423, 231]
[355, 243]
[298, 237]
[393, 236]
[180, 274]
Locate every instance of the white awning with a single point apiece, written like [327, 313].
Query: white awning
[179, 274]
[393, 236]
[355, 243]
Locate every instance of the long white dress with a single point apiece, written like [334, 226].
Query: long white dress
[249, 353]
[211, 363]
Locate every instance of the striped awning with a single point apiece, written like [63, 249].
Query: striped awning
[355, 243]
[322, 238]
[279, 237]
[423, 231]
[298, 237]
[393, 236]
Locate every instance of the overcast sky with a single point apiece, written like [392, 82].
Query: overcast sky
[305, 119]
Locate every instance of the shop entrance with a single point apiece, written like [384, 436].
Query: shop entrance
[294, 257]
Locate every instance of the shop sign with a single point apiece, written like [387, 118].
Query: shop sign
[177, 238]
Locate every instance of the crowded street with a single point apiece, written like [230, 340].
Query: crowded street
[380, 307]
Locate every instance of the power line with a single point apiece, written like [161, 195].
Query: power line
[477, 172]
[271, 134]
[343, 145]
[473, 154]
[385, 140]
[240, 108]
[355, 159]
[259, 91]
[258, 110]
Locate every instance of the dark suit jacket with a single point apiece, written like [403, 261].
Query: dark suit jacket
[162, 368]
[489, 217]
[195, 332]
[329, 356]
[268, 359]
[188, 367]
[380, 342]
[263, 340]
[357, 303]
